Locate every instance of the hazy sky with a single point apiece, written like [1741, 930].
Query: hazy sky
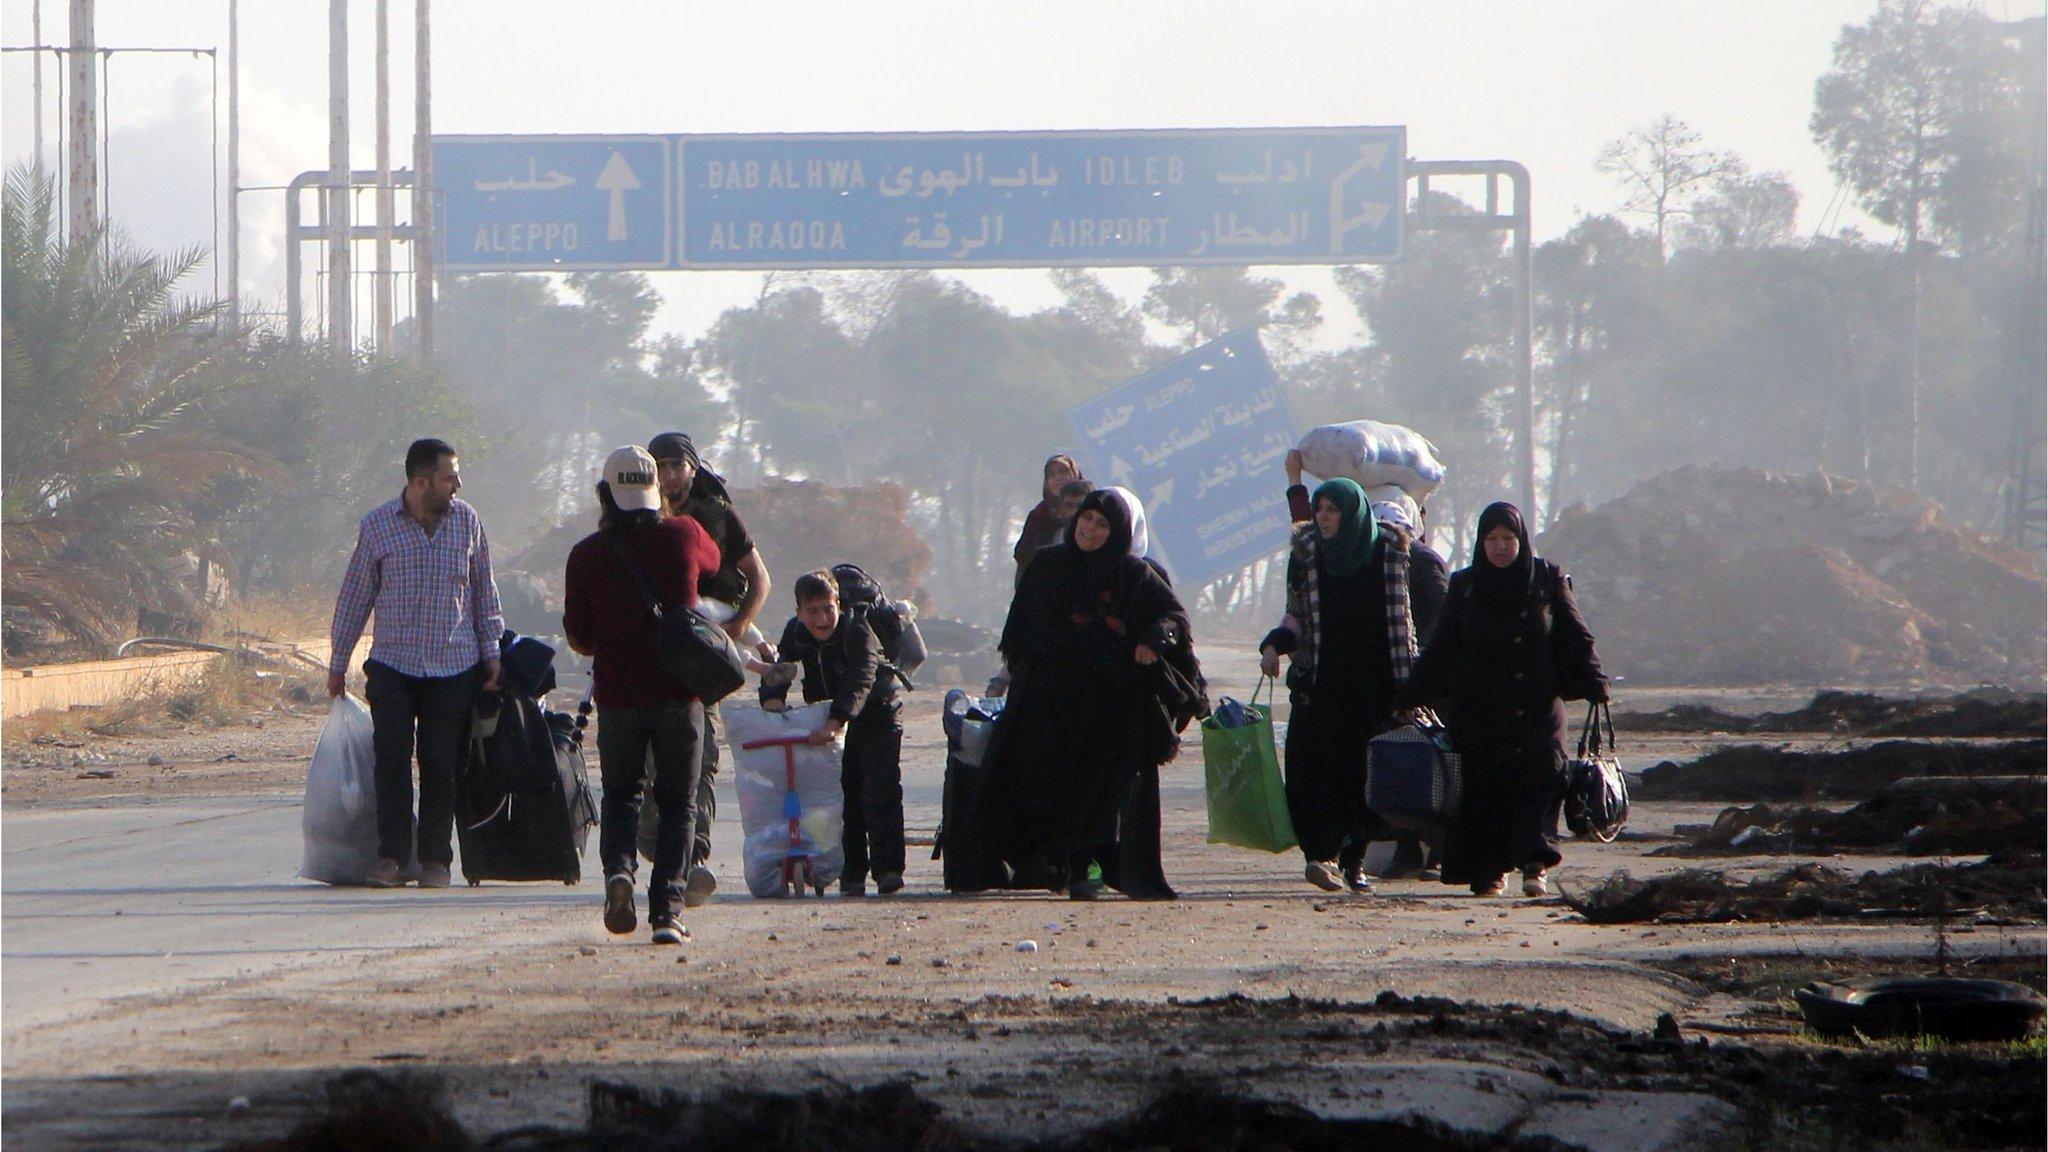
[1545, 83]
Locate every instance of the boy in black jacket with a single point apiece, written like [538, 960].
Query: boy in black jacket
[842, 662]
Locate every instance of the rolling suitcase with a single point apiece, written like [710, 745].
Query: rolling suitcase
[968, 722]
[523, 803]
[1413, 780]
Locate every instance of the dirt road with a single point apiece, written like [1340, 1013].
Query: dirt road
[168, 983]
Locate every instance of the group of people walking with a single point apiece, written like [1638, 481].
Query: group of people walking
[1099, 669]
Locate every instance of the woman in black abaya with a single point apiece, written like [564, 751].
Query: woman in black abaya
[1085, 713]
[1509, 649]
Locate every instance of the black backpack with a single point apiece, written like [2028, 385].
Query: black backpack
[861, 597]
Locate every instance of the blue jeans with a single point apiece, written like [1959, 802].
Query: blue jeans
[675, 734]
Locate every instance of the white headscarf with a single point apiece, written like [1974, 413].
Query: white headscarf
[1140, 541]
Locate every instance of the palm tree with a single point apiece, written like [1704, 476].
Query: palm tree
[108, 376]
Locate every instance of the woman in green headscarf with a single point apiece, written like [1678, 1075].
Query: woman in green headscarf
[1350, 635]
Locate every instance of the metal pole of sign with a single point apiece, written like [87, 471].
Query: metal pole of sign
[1517, 223]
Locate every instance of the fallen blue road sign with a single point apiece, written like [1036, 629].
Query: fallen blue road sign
[553, 203]
[924, 200]
[1201, 441]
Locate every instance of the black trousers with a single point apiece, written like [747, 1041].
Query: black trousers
[673, 733]
[429, 714]
[1326, 751]
[871, 780]
[707, 798]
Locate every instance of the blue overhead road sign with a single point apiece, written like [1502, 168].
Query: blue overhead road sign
[553, 203]
[1043, 199]
[923, 200]
[1201, 440]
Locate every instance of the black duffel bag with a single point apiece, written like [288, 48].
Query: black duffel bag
[691, 650]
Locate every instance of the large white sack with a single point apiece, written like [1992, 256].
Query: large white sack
[762, 778]
[1373, 454]
[339, 819]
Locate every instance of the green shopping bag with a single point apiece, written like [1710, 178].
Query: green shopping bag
[1247, 800]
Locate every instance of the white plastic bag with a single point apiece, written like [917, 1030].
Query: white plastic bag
[1373, 454]
[340, 816]
[762, 777]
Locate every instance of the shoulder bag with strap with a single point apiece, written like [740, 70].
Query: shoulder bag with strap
[692, 651]
[1596, 792]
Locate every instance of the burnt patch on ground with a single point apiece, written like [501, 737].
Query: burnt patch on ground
[1987, 712]
[1750, 773]
[1958, 1096]
[2007, 888]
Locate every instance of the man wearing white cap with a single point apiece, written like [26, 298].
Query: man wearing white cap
[640, 710]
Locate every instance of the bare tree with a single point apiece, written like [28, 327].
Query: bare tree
[1663, 168]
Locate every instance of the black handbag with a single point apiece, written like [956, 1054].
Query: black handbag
[1596, 792]
[692, 651]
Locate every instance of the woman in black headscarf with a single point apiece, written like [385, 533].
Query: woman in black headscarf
[1087, 709]
[1508, 650]
[1350, 633]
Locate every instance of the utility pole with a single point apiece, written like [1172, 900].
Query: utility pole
[339, 280]
[422, 186]
[234, 168]
[82, 201]
[386, 201]
[36, 67]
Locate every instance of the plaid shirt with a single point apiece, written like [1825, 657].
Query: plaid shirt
[436, 603]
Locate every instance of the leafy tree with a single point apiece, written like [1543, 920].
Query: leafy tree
[1441, 333]
[1207, 302]
[1587, 283]
[1742, 210]
[558, 381]
[109, 434]
[1663, 168]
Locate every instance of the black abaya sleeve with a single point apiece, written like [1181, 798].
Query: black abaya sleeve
[1579, 675]
[1429, 684]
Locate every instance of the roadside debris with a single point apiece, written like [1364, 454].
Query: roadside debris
[1981, 712]
[2006, 888]
[1763, 772]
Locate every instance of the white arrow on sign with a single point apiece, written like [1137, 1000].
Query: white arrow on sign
[1370, 215]
[1119, 472]
[1161, 493]
[616, 179]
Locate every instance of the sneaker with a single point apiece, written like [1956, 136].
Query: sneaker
[700, 888]
[1355, 879]
[888, 883]
[434, 876]
[667, 930]
[852, 889]
[1533, 884]
[1323, 874]
[620, 917]
[1489, 888]
[384, 874]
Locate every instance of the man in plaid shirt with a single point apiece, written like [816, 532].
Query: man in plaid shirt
[423, 564]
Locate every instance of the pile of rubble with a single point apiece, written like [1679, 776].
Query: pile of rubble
[1723, 576]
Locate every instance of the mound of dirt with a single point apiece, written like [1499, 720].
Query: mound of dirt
[1761, 772]
[2007, 887]
[1723, 576]
[1978, 713]
[1989, 814]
